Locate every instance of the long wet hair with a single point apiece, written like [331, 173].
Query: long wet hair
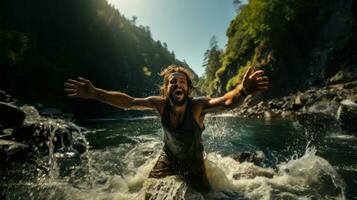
[165, 73]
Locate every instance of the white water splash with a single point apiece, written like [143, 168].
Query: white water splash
[307, 177]
[32, 114]
[51, 128]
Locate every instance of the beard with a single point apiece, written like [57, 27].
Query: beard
[178, 102]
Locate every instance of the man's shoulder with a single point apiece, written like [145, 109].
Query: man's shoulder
[156, 99]
[200, 100]
[158, 102]
[198, 103]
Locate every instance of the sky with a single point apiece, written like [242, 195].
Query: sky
[185, 25]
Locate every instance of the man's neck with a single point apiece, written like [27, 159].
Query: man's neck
[178, 109]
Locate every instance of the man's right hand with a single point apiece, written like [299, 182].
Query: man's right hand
[81, 88]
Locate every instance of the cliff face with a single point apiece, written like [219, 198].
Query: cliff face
[299, 43]
[334, 48]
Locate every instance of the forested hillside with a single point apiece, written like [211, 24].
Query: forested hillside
[300, 43]
[43, 43]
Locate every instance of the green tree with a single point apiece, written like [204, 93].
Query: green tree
[271, 34]
[211, 62]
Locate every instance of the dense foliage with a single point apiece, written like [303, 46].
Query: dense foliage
[289, 39]
[212, 61]
[43, 43]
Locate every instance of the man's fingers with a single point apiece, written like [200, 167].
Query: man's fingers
[75, 82]
[257, 74]
[228, 102]
[83, 79]
[264, 79]
[262, 88]
[263, 84]
[70, 90]
[247, 74]
[73, 95]
[70, 86]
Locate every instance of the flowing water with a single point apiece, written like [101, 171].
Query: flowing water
[299, 164]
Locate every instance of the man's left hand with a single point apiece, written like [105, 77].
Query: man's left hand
[254, 81]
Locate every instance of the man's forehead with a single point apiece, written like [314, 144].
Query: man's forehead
[178, 75]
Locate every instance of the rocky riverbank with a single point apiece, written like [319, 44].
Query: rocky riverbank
[25, 135]
[334, 104]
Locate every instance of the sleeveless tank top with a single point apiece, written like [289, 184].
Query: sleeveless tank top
[183, 142]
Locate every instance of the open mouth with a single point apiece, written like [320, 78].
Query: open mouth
[178, 93]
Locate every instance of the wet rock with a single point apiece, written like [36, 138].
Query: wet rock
[80, 147]
[268, 115]
[286, 105]
[5, 97]
[261, 104]
[325, 106]
[298, 103]
[275, 103]
[315, 108]
[9, 149]
[346, 74]
[10, 115]
[37, 134]
[321, 95]
[350, 85]
[24, 133]
[300, 99]
[347, 114]
[288, 114]
[246, 156]
[32, 114]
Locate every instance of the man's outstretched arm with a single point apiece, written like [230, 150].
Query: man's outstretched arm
[252, 82]
[83, 88]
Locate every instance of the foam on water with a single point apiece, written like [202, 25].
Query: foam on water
[342, 136]
[121, 173]
[302, 178]
[307, 177]
[222, 115]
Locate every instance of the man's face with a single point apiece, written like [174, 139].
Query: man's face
[178, 88]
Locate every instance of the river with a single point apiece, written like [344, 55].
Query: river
[121, 153]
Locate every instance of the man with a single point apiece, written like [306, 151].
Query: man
[181, 117]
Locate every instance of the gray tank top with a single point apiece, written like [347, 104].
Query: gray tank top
[183, 142]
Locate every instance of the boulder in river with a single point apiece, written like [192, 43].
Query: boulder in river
[3, 96]
[268, 115]
[11, 149]
[347, 114]
[39, 134]
[10, 115]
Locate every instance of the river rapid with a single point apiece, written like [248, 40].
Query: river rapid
[121, 153]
